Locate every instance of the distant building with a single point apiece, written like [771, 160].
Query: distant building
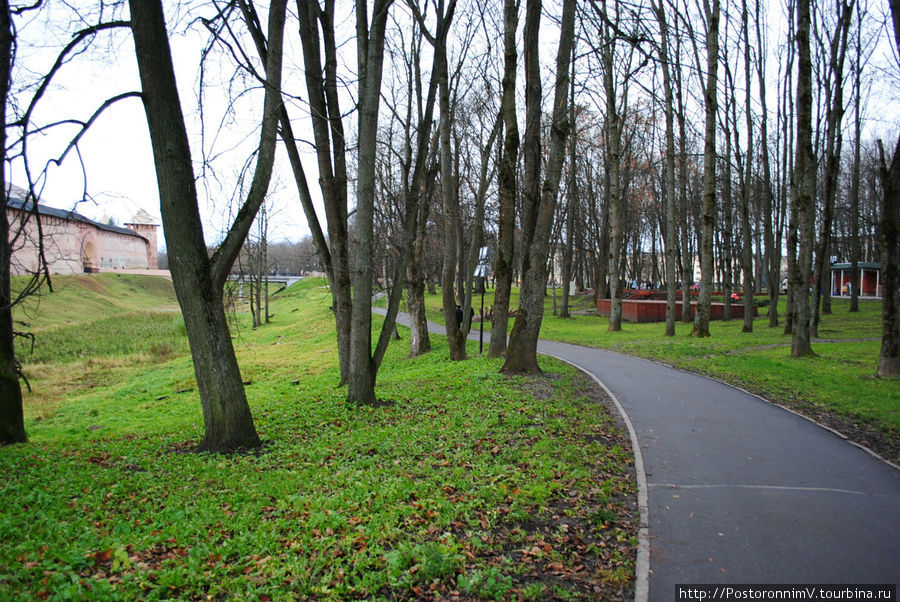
[868, 285]
[74, 243]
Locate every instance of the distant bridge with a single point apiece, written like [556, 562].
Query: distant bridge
[284, 281]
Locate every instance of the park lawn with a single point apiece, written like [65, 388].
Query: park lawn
[837, 387]
[464, 480]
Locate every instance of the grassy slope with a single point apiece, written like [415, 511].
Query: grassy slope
[134, 321]
[836, 387]
[466, 481]
[87, 297]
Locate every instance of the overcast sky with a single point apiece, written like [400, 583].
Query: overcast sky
[116, 152]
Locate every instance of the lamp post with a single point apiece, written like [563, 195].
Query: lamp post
[482, 270]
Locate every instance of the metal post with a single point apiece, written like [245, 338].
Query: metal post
[481, 331]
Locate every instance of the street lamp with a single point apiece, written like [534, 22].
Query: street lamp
[482, 270]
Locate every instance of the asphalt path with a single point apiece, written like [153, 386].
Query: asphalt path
[735, 490]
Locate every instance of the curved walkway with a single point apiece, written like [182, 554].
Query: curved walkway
[736, 490]
[742, 491]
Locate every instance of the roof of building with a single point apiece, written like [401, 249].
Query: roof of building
[16, 199]
[142, 218]
[868, 265]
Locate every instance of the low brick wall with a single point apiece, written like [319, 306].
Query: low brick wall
[652, 310]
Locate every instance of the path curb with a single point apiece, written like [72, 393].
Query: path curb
[642, 565]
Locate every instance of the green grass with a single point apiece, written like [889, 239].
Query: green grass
[464, 481]
[88, 297]
[837, 386]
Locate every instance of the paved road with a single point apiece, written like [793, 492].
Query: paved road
[737, 490]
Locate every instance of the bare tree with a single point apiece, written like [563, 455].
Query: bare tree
[667, 66]
[772, 250]
[803, 186]
[889, 359]
[521, 356]
[26, 229]
[507, 184]
[701, 320]
[833, 87]
[12, 422]
[857, 151]
[449, 197]
[571, 197]
[199, 279]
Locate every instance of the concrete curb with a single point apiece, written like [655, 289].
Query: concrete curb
[642, 565]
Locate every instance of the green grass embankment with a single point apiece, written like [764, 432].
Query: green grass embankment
[464, 482]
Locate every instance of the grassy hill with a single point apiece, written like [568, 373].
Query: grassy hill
[88, 297]
[463, 482]
[92, 330]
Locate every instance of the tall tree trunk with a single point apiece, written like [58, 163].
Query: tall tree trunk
[747, 245]
[572, 203]
[326, 117]
[450, 203]
[727, 251]
[601, 290]
[507, 187]
[370, 53]
[804, 177]
[419, 341]
[671, 206]
[701, 320]
[12, 421]
[613, 158]
[787, 113]
[198, 279]
[687, 260]
[889, 358]
[521, 356]
[834, 96]
[854, 178]
[772, 253]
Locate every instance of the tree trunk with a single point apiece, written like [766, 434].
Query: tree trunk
[326, 117]
[572, 202]
[772, 253]
[747, 246]
[521, 356]
[370, 53]
[419, 341]
[701, 320]
[854, 178]
[804, 177]
[450, 202]
[889, 359]
[671, 207]
[834, 96]
[507, 186]
[727, 251]
[12, 422]
[790, 316]
[613, 157]
[687, 274]
[199, 280]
